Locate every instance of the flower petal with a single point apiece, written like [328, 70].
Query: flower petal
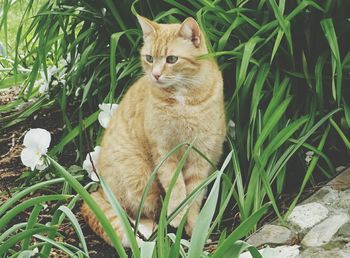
[87, 165]
[44, 87]
[114, 107]
[104, 118]
[231, 124]
[51, 71]
[91, 156]
[310, 153]
[38, 139]
[104, 107]
[97, 150]
[41, 165]
[30, 158]
[108, 107]
[94, 177]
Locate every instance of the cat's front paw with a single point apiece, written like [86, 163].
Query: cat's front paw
[189, 228]
[192, 218]
[177, 220]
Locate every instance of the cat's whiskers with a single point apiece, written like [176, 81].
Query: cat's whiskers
[188, 81]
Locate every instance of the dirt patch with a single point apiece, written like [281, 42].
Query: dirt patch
[7, 95]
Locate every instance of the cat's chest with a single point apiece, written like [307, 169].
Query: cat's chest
[180, 98]
[178, 122]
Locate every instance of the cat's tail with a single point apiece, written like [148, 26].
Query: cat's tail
[145, 227]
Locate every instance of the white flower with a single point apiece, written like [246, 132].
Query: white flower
[232, 129]
[36, 142]
[44, 86]
[89, 166]
[35, 250]
[105, 115]
[28, 253]
[45, 81]
[309, 156]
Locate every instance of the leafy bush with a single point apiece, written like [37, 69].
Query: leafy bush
[285, 67]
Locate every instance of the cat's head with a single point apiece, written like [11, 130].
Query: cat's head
[170, 52]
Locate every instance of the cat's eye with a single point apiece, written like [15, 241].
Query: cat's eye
[171, 59]
[149, 59]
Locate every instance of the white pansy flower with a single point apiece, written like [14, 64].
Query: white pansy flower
[45, 81]
[36, 142]
[90, 163]
[44, 86]
[232, 128]
[106, 113]
[35, 250]
[28, 253]
[308, 157]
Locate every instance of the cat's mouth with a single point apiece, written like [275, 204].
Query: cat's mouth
[163, 83]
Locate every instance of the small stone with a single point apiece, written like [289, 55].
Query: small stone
[326, 195]
[331, 197]
[321, 253]
[277, 252]
[340, 169]
[342, 181]
[307, 215]
[345, 230]
[271, 234]
[333, 245]
[344, 200]
[323, 232]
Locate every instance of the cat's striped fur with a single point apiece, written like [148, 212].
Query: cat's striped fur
[170, 104]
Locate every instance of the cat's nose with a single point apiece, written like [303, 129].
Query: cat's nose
[156, 76]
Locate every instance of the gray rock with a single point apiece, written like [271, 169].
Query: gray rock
[326, 196]
[331, 197]
[340, 169]
[307, 215]
[342, 181]
[323, 232]
[344, 200]
[277, 252]
[345, 230]
[271, 234]
[321, 253]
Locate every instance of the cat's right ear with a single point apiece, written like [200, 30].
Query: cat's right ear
[148, 27]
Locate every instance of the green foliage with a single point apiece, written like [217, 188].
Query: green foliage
[166, 244]
[285, 67]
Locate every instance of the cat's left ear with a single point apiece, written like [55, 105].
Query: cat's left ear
[148, 27]
[190, 30]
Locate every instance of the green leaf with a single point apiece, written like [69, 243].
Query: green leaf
[337, 71]
[147, 249]
[284, 24]
[76, 226]
[31, 221]
[123, 218]
[200, 231]
[247, 54]
[240, 231]
[22, 235]
[92, 205]
[16, 197]
[74, 133]
[28, 203]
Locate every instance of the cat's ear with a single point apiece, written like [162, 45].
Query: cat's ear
[190, 30]
[148, 27]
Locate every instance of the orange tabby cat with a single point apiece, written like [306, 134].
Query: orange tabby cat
[179, 98]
